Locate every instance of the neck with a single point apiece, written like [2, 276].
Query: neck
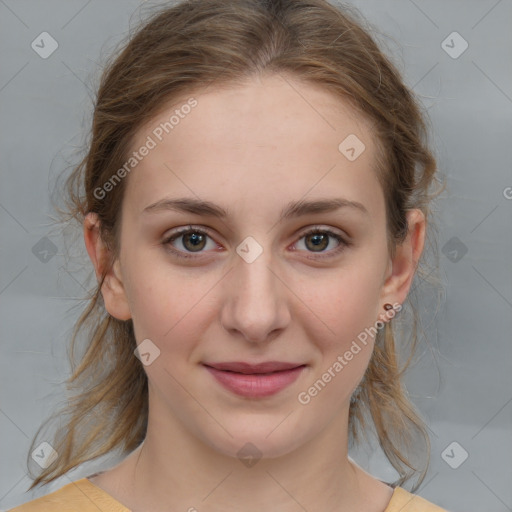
[174, 470]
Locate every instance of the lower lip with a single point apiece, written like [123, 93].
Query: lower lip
[256, 385]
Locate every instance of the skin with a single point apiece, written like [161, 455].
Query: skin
[251, 149]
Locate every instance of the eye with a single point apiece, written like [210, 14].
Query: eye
[317, 239]
[189, 239]
[184, 242]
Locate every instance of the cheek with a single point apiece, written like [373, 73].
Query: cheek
[168, 307]
[342, 326]
[342, 304]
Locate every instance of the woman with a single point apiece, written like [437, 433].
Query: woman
[255, 202]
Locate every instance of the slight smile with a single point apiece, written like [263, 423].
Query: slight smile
[255, 380]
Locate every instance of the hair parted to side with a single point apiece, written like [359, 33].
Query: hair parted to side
[180, 51]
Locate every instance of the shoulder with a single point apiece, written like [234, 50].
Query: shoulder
[404, 501]
[79, 496]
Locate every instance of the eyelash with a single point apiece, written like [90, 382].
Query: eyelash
[342, 243]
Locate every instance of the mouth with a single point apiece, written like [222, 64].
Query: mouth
[255, 380]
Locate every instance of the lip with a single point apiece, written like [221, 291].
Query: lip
[255, 380]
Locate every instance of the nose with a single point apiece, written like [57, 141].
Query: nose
[255, 305]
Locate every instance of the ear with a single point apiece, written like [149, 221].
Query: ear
[402, 267]
[113, 290]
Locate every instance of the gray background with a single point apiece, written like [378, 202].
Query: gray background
[462, 382]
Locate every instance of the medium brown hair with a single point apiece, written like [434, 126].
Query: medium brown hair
[181, 50]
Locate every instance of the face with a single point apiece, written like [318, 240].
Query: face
[231, 273]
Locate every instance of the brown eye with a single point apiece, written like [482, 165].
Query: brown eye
[194, 241]
[317, 241]
[184, 242]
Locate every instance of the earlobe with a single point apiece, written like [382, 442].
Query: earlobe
[112, 289]
[403, 265]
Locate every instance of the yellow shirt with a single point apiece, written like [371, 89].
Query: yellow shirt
[84, 496]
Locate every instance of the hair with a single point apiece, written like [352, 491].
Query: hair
[183, 49]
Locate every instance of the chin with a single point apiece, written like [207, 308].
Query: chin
[268, 437]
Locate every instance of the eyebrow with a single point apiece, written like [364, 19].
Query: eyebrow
[292, 209]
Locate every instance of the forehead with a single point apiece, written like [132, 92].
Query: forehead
[271, 137]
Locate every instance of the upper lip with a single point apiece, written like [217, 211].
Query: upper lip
[242, 367]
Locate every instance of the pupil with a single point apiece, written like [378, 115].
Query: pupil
[195, 239]
[319, 240]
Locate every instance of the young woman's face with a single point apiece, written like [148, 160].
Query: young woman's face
[250, 285]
